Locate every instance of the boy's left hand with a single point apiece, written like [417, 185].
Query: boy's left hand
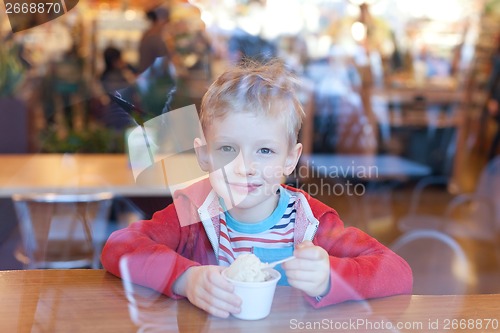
[310, 270]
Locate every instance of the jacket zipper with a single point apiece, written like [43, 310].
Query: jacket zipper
[310, 218]
[209, 233]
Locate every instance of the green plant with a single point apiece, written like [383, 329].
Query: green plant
[92, 140]
[11, 70]
[491, 7]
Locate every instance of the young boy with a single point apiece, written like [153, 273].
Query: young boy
[250, 118]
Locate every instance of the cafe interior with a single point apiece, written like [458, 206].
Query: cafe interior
[399, 136]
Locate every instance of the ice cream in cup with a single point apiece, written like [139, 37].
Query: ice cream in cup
[253, 285]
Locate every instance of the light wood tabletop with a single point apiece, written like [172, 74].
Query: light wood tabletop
[96, 301]
[29, 173]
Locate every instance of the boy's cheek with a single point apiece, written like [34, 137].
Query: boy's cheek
[273, 172]
[220, 161]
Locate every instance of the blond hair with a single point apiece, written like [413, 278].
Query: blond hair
[267, 89]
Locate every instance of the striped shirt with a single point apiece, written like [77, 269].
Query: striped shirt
[276, 231]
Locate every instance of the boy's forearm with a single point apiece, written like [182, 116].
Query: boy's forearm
[146, 267]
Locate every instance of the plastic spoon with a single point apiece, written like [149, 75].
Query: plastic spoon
[274, 263]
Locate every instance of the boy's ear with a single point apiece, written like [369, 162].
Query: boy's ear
[292, 159]
[202, 154]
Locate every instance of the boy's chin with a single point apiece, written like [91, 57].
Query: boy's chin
[236, 201]
[245, 201]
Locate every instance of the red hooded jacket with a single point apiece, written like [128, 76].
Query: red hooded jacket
[185, 234]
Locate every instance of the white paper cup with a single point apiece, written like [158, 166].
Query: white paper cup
[256, 297]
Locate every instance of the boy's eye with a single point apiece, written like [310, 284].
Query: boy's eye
[227, 149]
[265, 151]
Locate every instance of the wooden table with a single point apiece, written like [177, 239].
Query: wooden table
[95, 301]
[431, 94]
[82, 172]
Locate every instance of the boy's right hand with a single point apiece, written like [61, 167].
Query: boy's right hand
[206, 288]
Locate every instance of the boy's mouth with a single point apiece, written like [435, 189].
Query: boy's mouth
[244, 188]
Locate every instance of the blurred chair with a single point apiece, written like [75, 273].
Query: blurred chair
[376, 207]
[470, 215]
[62, 230]
[439, 264]
[416, 219]
[125, 212]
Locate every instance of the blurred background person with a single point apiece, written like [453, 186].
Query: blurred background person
[493, 101]
[117, 74]
[192, 56]
[340, 122]
[246, 41]
[118, 79]
[157, 76]
[152, 44]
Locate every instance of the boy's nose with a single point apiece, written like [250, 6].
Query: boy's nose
[244, 165]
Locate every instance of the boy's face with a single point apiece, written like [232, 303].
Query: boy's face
[247, 156]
